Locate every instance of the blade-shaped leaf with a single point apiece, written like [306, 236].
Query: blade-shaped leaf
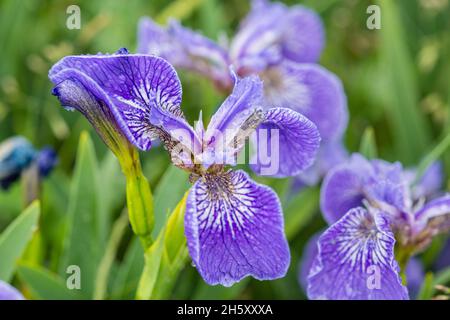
[410, 132]
[84, 243]
[14, 239]
[368, 145]
[45, 285]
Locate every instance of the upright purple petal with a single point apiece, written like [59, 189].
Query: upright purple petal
[118, 92]
[304, 36]
[356, 261]
[234, 228]
[256, 44]
[234, 121]
[272, 32]
[430, 183]
[311, 90]
[286, 143]
[8, 292]
[343, 188]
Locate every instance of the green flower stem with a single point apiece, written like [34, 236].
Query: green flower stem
[139, 197]
[165, 258]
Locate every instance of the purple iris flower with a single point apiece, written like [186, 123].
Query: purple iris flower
[281, 45]
[414, 270]
[233, 225]
[370, 208]
[8, 292]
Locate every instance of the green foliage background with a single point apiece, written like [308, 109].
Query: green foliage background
[396, 80]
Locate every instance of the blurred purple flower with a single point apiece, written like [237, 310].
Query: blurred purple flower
[8, 292]
[234, 226]
[17, 154]
[366, 203]
[280, 44]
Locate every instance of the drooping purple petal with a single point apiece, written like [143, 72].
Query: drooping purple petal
[186, 49]
[117, 92]
[234, 228]
[309, 255]
[311, 90]
[330, 154]
[286, 143]
[343, 188]
[356, 261]
[235, 120]
[8, 292]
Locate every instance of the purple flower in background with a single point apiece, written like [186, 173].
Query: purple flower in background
[234, 226]
[8, 292]
[370, 207]
[282, 46]
[17, 154]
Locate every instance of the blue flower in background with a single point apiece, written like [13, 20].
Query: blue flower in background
[8, 292]
[281, 45]
[17, 154]
[233, 225]
[371, 206]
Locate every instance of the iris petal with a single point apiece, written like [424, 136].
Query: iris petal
[311, 90]
[273, 32]
[286, 143]
[356, 261]
[234, 228]
[186, 49]
[7, 292]
[117, 92]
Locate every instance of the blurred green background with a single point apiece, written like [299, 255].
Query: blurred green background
[396, 80]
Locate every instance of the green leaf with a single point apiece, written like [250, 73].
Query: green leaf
[368, 145]
[426, 292]
[14, 239]
[112, 194]
[117, 232]
[300, 210]
[84, 244]
[44, 284]
[165, 258]
[410, 132]
[432, 156]
[171, 187]
[428, 289]
[129, 272]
